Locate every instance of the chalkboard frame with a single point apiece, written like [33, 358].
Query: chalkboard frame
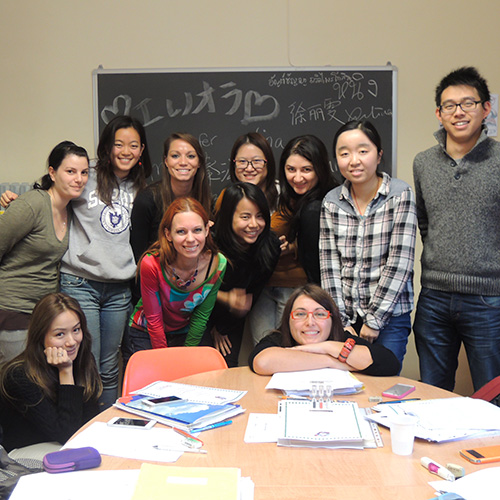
[390, 154]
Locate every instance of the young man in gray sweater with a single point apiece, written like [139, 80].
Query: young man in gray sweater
[457, 185]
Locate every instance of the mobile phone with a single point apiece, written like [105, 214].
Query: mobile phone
[133, 423]
[483, 455]
[398, 391]
[158, 401]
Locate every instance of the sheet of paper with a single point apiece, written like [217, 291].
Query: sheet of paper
[480, 485]
[197, 394]
[129, 443]
[262, 428]
[445, 419]
[78, 485]
[303, 380]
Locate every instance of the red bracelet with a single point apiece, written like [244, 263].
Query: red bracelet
[346, 350]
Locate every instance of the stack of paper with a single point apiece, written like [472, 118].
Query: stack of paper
[198, 407]
[300, 383]
[300, 424]
[194, 393]
[183, 414]
[444, 419]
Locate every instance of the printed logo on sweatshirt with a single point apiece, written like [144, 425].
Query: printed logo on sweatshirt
[116, 218]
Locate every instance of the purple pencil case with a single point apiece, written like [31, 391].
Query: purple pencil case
[71, 459]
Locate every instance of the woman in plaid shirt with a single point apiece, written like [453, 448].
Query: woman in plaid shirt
[367, 242]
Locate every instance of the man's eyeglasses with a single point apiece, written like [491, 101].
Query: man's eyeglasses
[256, 164]
[319, 314]
[448, 108]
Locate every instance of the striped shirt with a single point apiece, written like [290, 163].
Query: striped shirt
[367, 261]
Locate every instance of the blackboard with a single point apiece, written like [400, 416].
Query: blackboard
[218, 105]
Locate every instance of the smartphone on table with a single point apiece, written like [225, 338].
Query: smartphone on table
[398, 391]
[159, 401]
[482, 455]
[131, 423]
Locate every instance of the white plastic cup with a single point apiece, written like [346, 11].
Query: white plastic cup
[403, 433]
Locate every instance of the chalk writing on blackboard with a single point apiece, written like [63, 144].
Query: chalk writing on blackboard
[219, 105]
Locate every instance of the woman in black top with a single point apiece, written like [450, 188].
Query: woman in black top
[311, 336]
[51, 389]
[243, 234]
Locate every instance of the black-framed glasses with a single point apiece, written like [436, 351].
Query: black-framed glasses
[242, 164]
[301, 315]
[448, 108]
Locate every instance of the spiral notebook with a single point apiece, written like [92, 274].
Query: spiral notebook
[338, 426]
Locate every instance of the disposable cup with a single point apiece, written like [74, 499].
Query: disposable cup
[403, 433]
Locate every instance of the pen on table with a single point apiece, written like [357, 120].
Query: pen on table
[213, 426]
[398, 401]
[182, 450]
[188, 436]
[435, 468]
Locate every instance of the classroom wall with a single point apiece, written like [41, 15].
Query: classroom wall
[49, 49]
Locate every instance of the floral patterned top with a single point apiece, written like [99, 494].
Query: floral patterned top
[165, 308]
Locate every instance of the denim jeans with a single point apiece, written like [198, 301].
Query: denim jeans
[12, 343]
[394, 335]
[107, 308]
[443, 321]
[266, 313]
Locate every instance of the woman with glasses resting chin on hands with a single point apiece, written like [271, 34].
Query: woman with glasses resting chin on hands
[311, 336]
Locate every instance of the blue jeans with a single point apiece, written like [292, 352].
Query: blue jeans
[266, 313]
[443, 321]
[394, 335]
[107, 308]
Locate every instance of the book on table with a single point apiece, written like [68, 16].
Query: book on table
[335, 425]
[197, 407]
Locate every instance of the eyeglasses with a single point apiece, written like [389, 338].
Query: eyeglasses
[301, 315]
[256, 164]
[450, 107]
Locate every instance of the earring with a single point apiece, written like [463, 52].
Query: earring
[140, 161]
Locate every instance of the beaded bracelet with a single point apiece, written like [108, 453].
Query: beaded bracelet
[346, 350]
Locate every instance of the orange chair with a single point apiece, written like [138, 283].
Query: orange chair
[169, 363]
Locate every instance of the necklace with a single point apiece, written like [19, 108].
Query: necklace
[61, 217]
[371, 197]
[185, 283]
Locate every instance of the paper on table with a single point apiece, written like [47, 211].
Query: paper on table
[262, 428]
[480, 485]
[129, 443]
[303, 380]
[194, 393]
[336, 427]
[445, 419]
[158, 482]
[78, 485]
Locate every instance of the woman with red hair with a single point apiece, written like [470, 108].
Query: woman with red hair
[180, 276]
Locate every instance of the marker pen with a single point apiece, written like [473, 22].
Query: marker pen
[434, 468]
[213, 426]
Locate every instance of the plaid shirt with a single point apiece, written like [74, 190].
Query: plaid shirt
[367, 261]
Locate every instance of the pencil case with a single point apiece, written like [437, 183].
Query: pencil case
[71, 459]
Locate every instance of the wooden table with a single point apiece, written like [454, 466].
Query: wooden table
[305, 473]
